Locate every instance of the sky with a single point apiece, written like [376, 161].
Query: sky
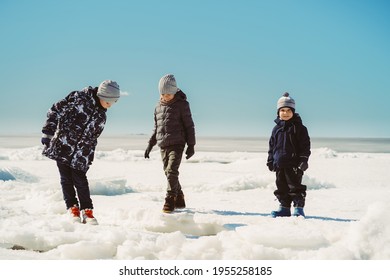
[233, 59]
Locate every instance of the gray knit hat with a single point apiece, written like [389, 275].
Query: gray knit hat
[167, 84]
[286, 101]
[108, 91]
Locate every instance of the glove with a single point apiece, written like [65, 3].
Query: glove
[303, 166]
[147, 151]
[190, 151]
[271, 166]
[45, 141]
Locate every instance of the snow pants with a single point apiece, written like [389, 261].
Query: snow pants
[73, 180]
[171, 158]
[289, 187]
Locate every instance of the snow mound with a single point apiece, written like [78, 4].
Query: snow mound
[110, 187]
[243, 183]
[16, 174]
[6, 175]
[316, 184]
[324, 153]
[31, 153]
[120, 155]
[370, 238]
[183, 222]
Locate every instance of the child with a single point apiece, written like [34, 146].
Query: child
[288, 155]
[70, 137]
[173, 128]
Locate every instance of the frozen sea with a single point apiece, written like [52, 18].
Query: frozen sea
[229, 195]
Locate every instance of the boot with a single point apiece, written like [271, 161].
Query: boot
[75, 213]
[179, 201]
[298, 211]
[169, 205]
[88, 217]
[281, 212]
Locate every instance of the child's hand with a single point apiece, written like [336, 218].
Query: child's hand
[271, 166]
[147, 151]
[45, 141]
[190, 152]
[303, 166]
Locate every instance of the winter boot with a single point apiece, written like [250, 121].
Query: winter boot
[75, 214]
[298, 211]
[179, 201]
[281, 212]
[88, 217]
[169, 205]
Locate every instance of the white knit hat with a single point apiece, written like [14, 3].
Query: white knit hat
[167, 84]
[108, 91]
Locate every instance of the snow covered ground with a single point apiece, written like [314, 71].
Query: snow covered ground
[229, 197]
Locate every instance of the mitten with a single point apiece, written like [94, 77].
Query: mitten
[270, 166]
[303, 166]
[147, 151]
[45, 141]
[190, 151]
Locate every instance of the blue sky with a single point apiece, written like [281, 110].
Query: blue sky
[233, 59]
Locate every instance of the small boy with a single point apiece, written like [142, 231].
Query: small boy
[70, 137]
[173, 129]
[288, 155]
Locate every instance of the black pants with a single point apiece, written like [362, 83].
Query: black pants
[171, 157]
[73, 180]
[289, 187]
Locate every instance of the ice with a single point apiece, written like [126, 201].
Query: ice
[229, 197]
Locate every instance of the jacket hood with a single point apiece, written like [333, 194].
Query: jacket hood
[181, 95]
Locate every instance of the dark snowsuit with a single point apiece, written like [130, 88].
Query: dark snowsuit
[173, 129]
[289, 146]
[75, 123]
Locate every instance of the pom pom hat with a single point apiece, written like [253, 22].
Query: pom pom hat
[286, 101]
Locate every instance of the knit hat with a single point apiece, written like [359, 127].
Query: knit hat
[167, 84]
[108, 91]
[286, 101]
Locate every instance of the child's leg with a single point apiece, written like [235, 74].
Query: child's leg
[282, 192]
[171, 157]
[81, 183]
[297, 191]
[67, 185]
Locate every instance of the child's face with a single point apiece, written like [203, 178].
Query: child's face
[285, 113]
[106, 104]
[167, 97]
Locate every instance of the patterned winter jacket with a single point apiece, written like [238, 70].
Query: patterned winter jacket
[289, 144]
[173, 124]
[76, 122]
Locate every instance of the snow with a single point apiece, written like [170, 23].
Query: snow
[229, 196]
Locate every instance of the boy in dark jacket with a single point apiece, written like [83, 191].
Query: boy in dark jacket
[288, 155]
[70, 137]
[173, 129]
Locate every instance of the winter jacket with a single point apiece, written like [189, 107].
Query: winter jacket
[289, 144]
[76, 122]
[173, 124]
